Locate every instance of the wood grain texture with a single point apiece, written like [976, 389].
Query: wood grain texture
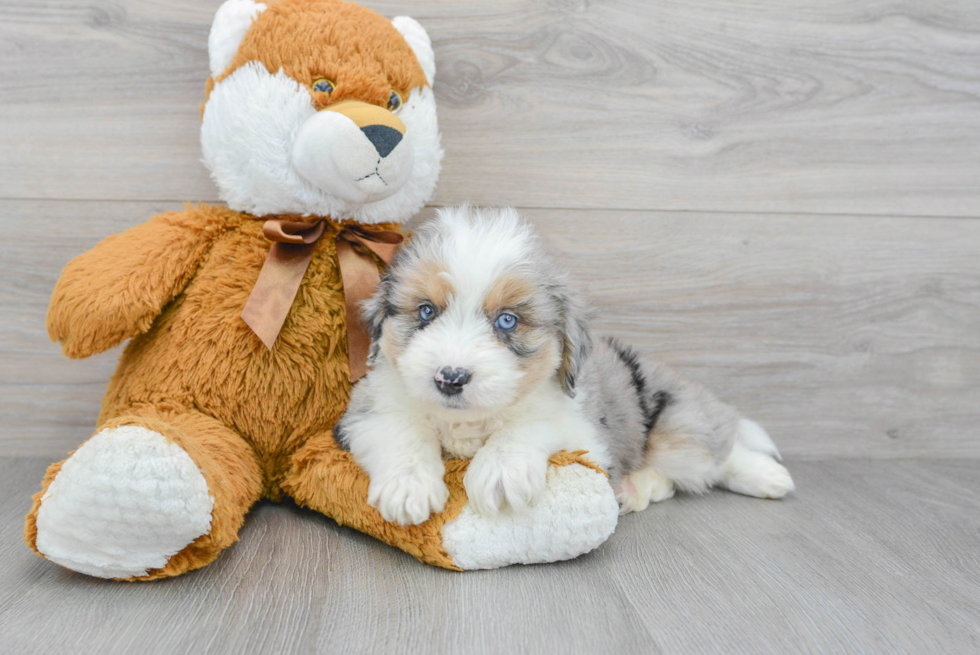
[845, 336]
[869, 556]
[838, 106]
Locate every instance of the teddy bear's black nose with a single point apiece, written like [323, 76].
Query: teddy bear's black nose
[451, 381]
[383, 137]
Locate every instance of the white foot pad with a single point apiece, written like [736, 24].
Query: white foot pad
[123, 504]
[576, 514]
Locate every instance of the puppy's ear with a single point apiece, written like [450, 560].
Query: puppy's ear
[575, 319]
[375, 311]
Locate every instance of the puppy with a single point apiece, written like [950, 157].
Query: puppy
[480, 349]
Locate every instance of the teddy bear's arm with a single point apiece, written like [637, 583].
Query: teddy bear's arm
[115, 290]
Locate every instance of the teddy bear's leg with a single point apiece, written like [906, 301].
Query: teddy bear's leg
[325, 478]
[576, 513]
[153, 494]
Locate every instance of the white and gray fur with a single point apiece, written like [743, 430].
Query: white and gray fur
[543, 387]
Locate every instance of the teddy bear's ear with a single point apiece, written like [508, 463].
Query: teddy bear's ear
[231, 22]
[418, 41]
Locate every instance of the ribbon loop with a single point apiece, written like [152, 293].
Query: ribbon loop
[279, 231]
[293, 243]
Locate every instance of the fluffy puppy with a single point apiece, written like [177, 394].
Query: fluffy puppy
[481, 350]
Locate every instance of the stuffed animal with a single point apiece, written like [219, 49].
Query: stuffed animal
[319, 129]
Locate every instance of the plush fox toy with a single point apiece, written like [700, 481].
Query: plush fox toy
[320, 132]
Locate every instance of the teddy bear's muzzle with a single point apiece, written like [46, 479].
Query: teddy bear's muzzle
[354, 150]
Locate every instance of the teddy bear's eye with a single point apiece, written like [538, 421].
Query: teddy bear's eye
[323, 85]
[394, 101]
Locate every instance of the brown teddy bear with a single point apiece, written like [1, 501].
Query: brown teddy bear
[320, 132]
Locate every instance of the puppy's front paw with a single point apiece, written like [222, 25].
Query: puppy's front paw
[498, 476]
[408, 498]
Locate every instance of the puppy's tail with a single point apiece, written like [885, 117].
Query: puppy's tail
[751, 435]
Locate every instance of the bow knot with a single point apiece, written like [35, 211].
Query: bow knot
[279, 231]
[293, 243]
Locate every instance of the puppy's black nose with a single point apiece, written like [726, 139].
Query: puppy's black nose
[383, 138]
[451, 381]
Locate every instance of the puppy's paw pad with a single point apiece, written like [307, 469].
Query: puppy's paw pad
[408, 498]
[498, 477]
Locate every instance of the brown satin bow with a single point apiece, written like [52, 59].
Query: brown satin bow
[293, 243]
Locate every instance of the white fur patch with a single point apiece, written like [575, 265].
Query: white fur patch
[754, 437]
[420, 43]
[248, 137]
[756, 474]
[123, 504]
[335, 155]
[508, 474]
[751, 468]
[231, 22]
[405, 467]
[576, 513]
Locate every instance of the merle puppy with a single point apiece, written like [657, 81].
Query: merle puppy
[482, 350]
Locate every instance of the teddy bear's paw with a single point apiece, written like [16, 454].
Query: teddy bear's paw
[497, 476]
[577, 511]
[408, 498]
[123, 504]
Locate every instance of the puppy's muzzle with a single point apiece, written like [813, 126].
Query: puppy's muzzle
[450, 381]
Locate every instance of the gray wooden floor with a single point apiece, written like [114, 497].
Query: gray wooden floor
[869, 556]
[781, 199]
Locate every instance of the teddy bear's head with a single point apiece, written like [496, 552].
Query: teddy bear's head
[320, 107]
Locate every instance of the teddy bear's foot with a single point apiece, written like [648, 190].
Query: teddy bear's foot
[576, 513]
[123, 504]
[155, 493]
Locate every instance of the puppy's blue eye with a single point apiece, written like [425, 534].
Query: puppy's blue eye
[426, 313]
[506, 322]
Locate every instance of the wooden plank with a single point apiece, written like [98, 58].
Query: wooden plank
[868, 556]
[845, 336]
[834, 570]
[838, 106]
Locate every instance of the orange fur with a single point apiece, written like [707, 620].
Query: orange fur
[358, 50]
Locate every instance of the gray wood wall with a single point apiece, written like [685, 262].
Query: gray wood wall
[780, 198]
